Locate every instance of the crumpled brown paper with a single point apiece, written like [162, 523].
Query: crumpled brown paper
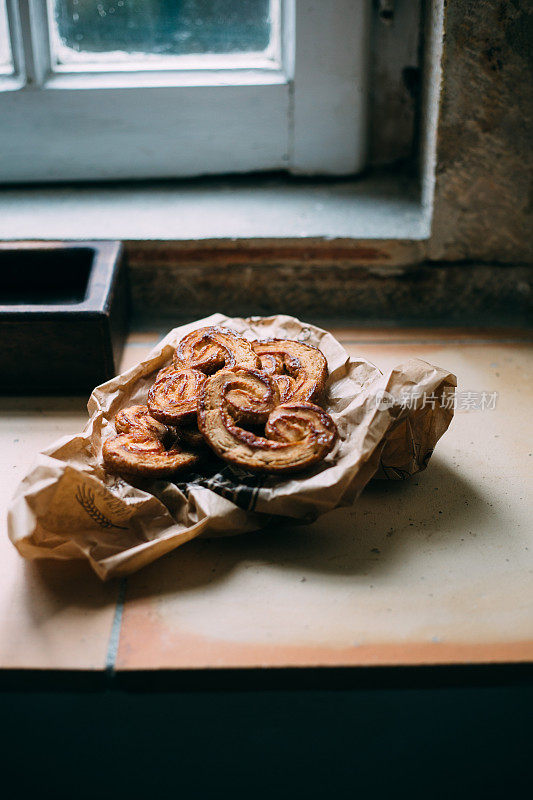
[67, 506]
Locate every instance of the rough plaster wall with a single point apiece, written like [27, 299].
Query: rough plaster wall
[394, 79]
[483, 194]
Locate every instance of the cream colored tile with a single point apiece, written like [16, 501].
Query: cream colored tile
[144, 337]
[134, 352]
[52, 615]
[436, 569]
[398, 333]
[140, 343]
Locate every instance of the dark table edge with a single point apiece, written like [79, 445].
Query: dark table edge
[271, 679]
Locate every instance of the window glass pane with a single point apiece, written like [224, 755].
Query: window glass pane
[115, 31]
[6, 64]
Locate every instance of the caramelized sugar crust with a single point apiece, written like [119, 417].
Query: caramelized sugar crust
[297, 434]
[144, 447]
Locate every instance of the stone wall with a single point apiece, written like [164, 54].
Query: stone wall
[483, 208]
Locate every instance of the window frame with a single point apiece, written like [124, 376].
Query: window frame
[307, 115]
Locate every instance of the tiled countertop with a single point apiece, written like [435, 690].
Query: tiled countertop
[435, 570]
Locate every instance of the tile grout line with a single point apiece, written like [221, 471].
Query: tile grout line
[114, 636]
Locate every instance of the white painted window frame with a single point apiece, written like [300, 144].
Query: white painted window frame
[306, 114]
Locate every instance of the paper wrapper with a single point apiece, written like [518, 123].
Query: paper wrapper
[68, 507]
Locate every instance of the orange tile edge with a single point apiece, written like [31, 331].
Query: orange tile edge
[188, 651]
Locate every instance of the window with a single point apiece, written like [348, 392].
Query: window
[6, 63]
[118, 89]
[152, 34]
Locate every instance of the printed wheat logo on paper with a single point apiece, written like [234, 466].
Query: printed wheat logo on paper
[85, 498]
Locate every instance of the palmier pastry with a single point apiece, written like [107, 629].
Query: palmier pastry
[144, 447]
[250, 396]
[297, 434]
[300, 370]
[191, 437]
[209, 349]
[172, 398]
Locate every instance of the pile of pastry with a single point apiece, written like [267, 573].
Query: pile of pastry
[253, 404]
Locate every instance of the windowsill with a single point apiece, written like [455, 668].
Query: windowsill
[378, 206]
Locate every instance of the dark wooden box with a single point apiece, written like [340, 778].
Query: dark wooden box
[63, 315]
